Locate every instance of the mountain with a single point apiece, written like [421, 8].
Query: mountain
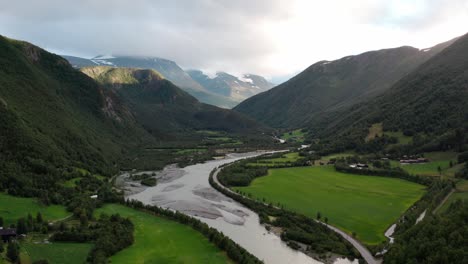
[169, 69]
[163, 108]
[429, 103]
[54, 117]
[231, 86]
[331, 85]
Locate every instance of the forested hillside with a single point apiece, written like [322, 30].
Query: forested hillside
[52, 118]
[428, 104]
[332, 85]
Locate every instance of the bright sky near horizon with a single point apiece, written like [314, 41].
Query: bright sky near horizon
[274, 38]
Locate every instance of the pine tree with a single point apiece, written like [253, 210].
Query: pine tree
[13, 252]
[2, 245]
[39, 217]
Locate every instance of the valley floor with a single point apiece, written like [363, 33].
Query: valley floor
[363, 205]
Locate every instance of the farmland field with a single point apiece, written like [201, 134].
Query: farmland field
[436, 160]
[158, 240]
[12, 208]
[295, 135]
[288, 157]
[327, 158]
[55, 253]
[365, 205]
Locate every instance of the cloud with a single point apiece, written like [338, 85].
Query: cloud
[268, 37]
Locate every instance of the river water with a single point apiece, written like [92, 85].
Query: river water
[187, 190]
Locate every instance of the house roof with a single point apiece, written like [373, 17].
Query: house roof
[8, 232]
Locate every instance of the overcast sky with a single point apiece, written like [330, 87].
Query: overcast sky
[268, 37]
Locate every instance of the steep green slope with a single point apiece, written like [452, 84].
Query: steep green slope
[331, 85]
[165, 109]
[430, 103]
[53, 117]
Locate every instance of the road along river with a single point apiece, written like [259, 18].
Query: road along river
[187, 190]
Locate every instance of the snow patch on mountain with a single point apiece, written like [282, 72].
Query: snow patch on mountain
[103, 57]
[245, 78]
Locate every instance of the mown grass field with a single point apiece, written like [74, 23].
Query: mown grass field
[55, 253]
[327, 158]
[12, 208]
[296, 135]
[365, 205]
[285, 158]
[158, 240]
[436, 160]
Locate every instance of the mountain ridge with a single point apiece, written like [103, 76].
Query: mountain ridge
[174, 73]
[330, 85]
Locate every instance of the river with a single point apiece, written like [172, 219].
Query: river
[187, 190]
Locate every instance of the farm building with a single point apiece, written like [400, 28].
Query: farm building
[7, 233]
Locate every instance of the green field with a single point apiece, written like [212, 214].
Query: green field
[12, 208]
[191, 150]
[436, 160]
[366, 205]
[288, 157]
[296, 135]
[402, 139]
[327, 158]
[377, 130]
[72, 182]
[55, 253]
[158, 240]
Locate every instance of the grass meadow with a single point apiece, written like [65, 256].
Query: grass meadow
[158, 240]
[12, 208]
[365, 205]
[55, 253]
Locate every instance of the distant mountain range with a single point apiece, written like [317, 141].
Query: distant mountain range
[231, 86]
[224, 90]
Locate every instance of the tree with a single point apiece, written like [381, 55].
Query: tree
[39, 217]
[439, 169]
[2, 245]
[21, 227]
[326, 220]
[13, 252]
[319, 215]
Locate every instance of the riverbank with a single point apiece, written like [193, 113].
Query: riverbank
[192, 195]
[330, 258]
